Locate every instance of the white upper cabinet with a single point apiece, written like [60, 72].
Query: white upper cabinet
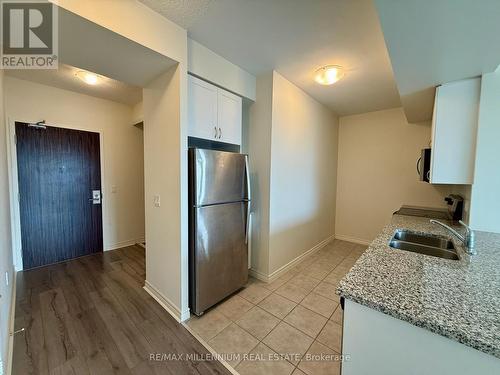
[214, 113]
[202, 106]
[454, 128]
[229, 107]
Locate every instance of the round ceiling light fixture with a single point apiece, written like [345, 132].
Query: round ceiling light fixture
[88, 77]
[329, 74]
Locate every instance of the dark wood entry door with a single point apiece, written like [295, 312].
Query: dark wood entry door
[58, 171]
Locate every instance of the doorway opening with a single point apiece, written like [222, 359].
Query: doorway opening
[59, 180]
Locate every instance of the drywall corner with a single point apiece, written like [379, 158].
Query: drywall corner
[163, 152]
[259, 148]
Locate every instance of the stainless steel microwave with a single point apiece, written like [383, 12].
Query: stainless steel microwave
[424, 165]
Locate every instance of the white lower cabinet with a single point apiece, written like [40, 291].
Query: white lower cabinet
[214, 113]
[378, 344]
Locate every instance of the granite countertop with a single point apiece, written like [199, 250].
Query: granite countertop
[456, 299]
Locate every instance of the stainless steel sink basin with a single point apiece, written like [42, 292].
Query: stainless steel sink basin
[427, 244]
[423, 239]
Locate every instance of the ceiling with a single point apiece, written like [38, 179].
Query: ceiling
[295, 37]
[85, 44]
[433, 42]
[65, 78]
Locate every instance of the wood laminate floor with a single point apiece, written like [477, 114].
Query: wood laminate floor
[91, 316]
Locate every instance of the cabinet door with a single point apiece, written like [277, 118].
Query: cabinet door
[202, 109]
[229, 117]
[454, 128]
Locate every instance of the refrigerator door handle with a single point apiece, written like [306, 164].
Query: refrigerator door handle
[249, 197]
[247, 173]
[247, 229]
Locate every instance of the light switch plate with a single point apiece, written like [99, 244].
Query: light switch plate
[157, 201]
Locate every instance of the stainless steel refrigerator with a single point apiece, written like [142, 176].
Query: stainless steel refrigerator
[219, 191]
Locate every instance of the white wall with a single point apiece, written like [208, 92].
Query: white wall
[6, 263]
[485, 205]
[377, 174]
[206, 64]
[122, 146]
[303, 173]
[292, 141]
[166, 264]
[259, 149]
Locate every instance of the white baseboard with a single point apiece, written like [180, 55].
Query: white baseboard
[287, 267]
[258, 275]
[119, 245]
[359, 241]
[168, 305]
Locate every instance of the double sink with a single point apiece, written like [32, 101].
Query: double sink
[427, 244]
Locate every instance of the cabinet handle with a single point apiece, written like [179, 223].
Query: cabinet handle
[220, 133]
[215, 128]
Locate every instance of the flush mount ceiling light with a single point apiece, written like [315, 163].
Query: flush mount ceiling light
[329, 74]
[88, 77]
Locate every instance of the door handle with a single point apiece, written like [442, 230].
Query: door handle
[220, 133]
[215, 128]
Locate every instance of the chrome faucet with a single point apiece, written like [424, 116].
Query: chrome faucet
[468, 239]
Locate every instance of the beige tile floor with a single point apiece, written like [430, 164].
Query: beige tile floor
[283, 327]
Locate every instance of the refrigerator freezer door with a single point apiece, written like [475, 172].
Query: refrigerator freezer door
[220, 177]
[219, 255]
